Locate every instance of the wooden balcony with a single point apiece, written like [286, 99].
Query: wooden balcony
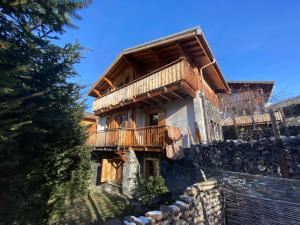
[144, 138]
[247, 120]
[172, 81]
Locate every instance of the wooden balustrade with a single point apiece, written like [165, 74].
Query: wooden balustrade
[247, 120]
[139, 137]
[179, 70]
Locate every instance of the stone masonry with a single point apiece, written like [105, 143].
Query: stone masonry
[130, 174]
[265, 156]
[200, 204]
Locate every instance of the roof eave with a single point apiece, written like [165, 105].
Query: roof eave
[196, 31]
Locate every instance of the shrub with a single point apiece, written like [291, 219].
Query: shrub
[153, 191]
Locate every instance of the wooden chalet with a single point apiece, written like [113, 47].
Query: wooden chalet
[265, 86]
[166, 85]
[260, 117]
[89, 120]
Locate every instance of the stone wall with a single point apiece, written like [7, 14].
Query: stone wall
[131, 171]
[200, 204]
[179, 174]
[265, 156]
[247, 133]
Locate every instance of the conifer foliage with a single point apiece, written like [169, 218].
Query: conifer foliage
[43, 158]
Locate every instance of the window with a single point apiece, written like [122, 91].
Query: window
[153, 121]
[151, 167]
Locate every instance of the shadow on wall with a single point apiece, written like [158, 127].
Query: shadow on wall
[179, 174]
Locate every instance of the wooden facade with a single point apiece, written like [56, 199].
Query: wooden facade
[148, 77]
[90, 122]
[143, 138]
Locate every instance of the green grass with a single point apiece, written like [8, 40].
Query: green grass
[96, 208]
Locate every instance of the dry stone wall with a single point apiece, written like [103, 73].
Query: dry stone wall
[200, 204]
[265, 156]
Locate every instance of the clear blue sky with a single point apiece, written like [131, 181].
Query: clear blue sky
[251, 40]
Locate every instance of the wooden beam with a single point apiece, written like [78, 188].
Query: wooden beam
[187, 89]
[176, 95]
[184, 53]
[109, 82]
[157, 57]
[199, 43]
[165, 97]
[146, 102]
[97, 92]
[157, 101]
[128, 60]
[154, 102]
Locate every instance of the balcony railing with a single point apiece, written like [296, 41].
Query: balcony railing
[139, 137]
[247, 120]
[179, 70]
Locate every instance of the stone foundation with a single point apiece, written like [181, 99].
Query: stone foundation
[200, 204]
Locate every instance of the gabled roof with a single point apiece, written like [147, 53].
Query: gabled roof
[266, 86]
[194, 34]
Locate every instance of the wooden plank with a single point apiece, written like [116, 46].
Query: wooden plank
[176, 95]
[169, 75]
[165, 97]
[109, 82]
[97, 92]
[105, 171]
[184, 53]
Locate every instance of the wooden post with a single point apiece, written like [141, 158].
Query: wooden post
[283, 117]
[253, 121]
[197, 132]
[236, 131]
[274, 124]
[191, 136]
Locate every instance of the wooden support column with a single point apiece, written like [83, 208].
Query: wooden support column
[283, 116]
[274, 124]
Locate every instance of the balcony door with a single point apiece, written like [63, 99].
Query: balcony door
[155, 118]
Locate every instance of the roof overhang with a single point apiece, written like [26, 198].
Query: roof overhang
[216, 77]
[266, 86]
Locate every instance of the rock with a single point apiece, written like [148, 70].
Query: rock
[155, 215]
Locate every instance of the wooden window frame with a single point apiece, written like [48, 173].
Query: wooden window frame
[151, 159]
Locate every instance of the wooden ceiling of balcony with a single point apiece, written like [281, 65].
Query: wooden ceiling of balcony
[153, 55]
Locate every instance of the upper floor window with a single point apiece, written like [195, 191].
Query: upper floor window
[153, 120]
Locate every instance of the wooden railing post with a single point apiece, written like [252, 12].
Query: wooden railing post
[274, 124]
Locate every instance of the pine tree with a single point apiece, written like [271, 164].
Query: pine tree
[43, 158]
